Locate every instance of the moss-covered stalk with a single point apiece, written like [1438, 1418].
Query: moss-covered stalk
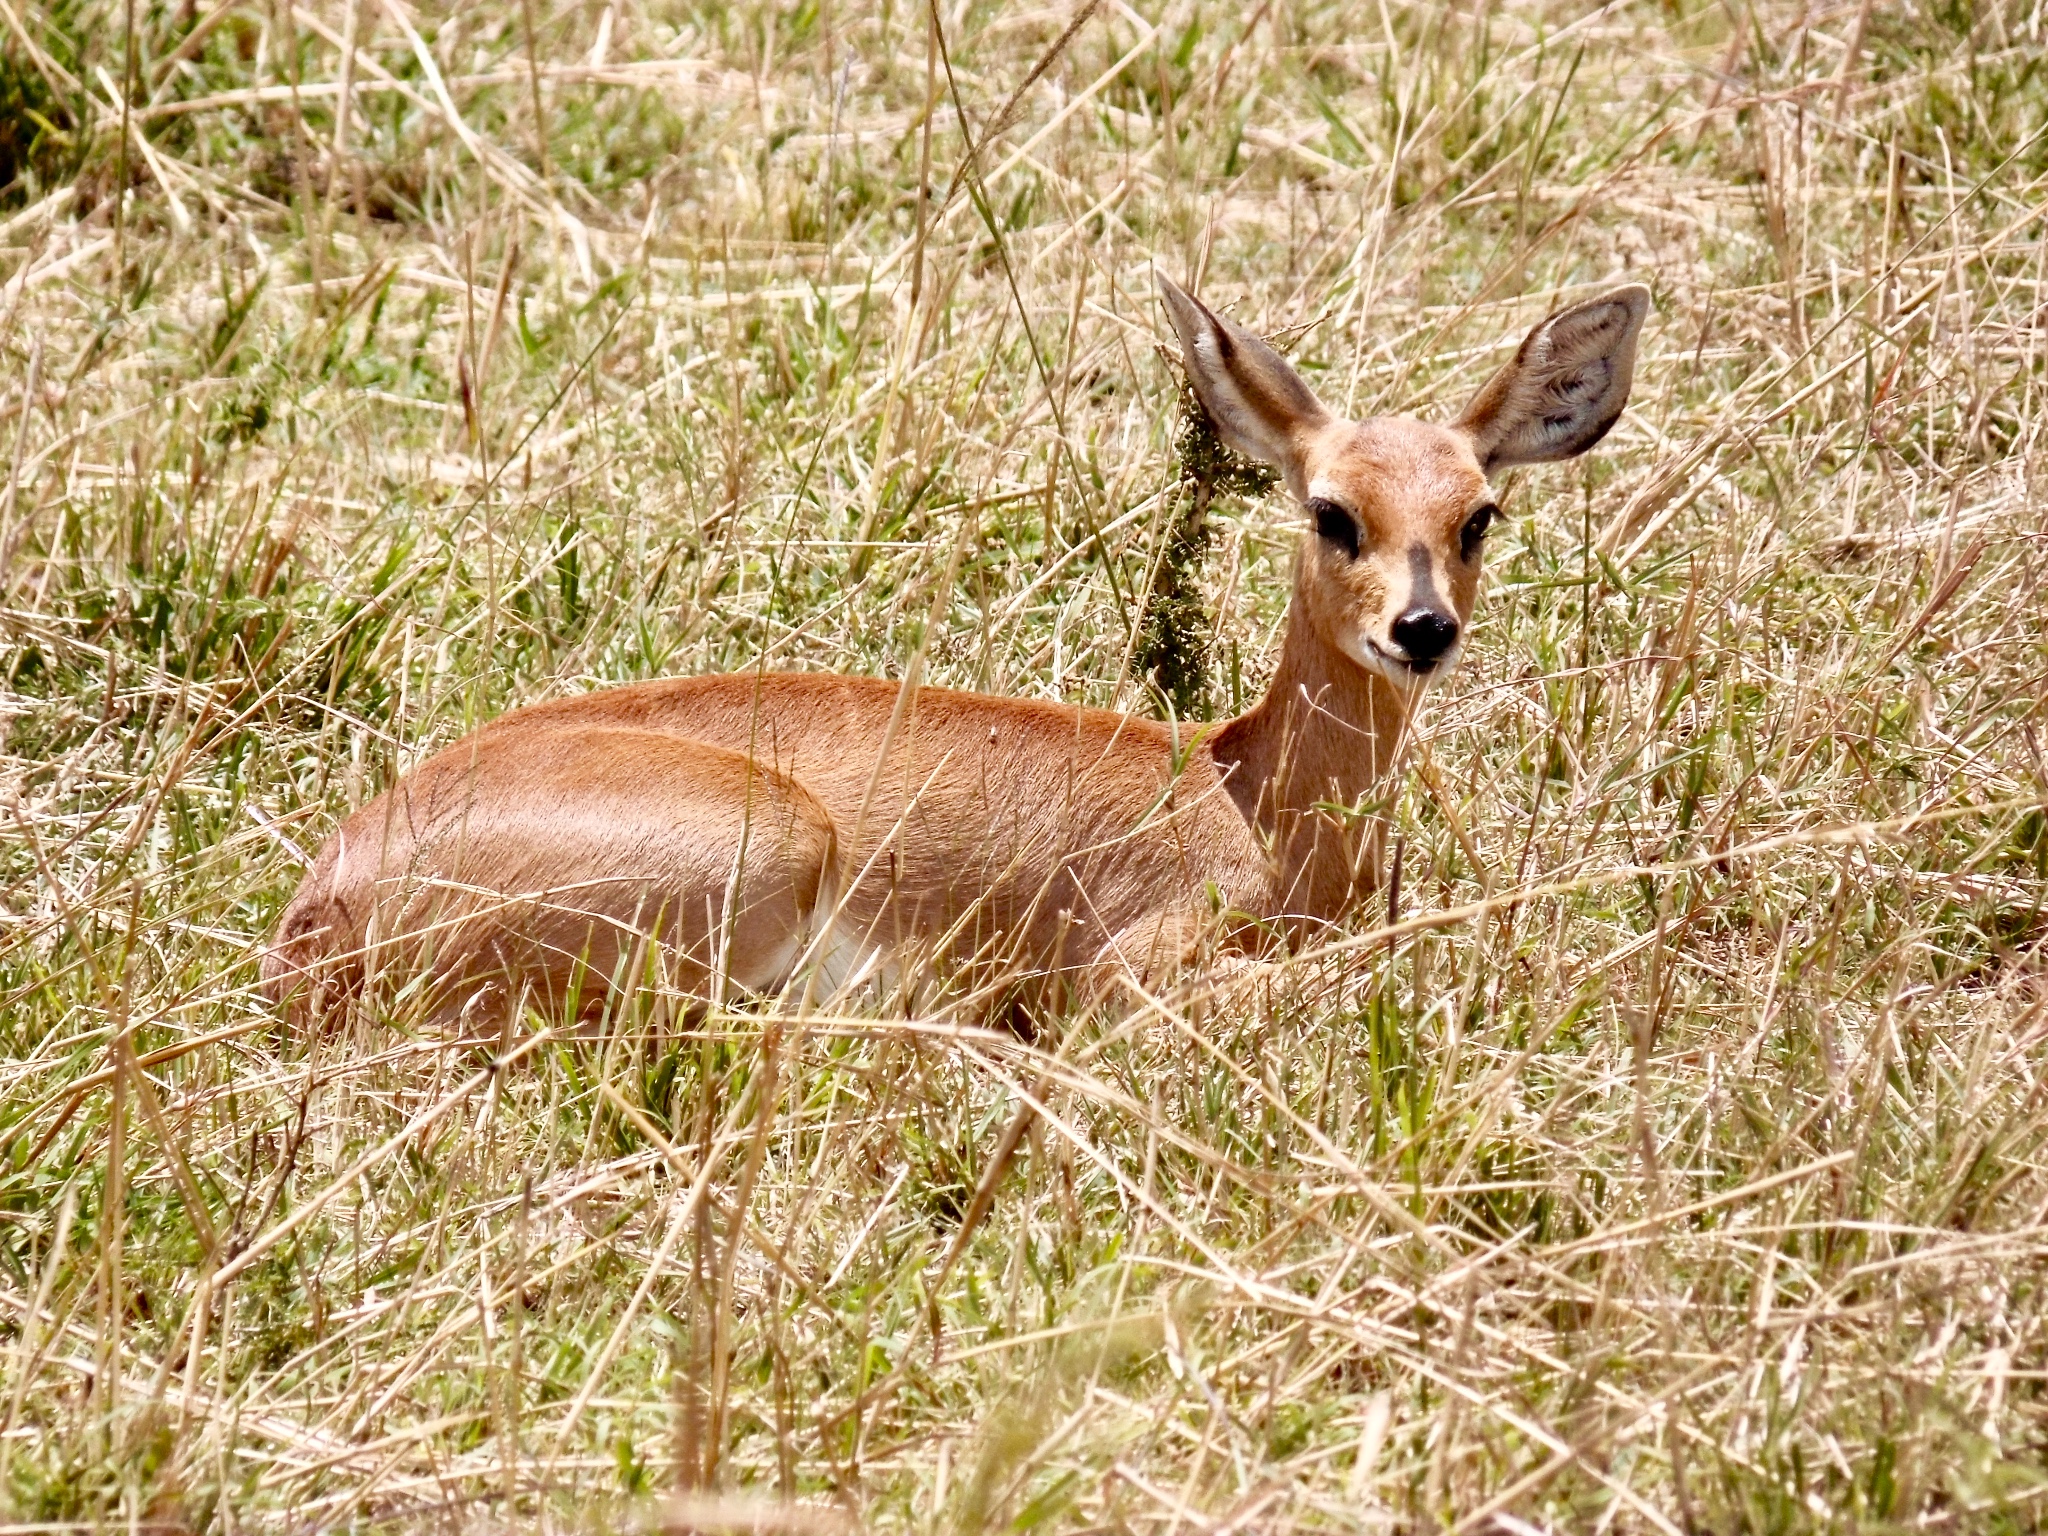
[1174, 631]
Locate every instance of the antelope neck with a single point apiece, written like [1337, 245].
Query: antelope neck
[1325, 732]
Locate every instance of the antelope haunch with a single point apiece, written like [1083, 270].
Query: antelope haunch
[737, 826]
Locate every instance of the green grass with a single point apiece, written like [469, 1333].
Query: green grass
[1692, 1178]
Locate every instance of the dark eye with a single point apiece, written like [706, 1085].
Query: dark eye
[1473, 534]
[1336, 525]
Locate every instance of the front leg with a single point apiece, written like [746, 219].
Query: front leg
[1159, 954]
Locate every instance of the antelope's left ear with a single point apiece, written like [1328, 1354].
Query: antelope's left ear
[1565, 387]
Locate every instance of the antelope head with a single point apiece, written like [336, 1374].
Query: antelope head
[1401, 507]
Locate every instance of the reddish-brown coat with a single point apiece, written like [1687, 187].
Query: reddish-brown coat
[748, 820]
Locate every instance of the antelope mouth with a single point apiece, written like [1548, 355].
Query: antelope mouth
[1402, 670]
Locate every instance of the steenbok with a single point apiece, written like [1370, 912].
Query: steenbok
[737, 829]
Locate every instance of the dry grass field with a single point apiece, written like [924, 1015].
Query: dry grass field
[1675, 1159]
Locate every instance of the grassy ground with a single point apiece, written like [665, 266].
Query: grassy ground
[1679, 1164]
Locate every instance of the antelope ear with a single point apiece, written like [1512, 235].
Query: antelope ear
[1260, 405]
[1566, 386]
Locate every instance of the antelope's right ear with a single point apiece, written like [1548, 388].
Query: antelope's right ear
[1260, 405]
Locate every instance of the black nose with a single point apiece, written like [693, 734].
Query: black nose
[1425, 635]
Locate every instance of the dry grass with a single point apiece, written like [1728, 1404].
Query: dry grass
[1678, 1164]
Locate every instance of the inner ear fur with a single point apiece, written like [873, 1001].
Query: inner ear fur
[1566, 386]
[1260, 405]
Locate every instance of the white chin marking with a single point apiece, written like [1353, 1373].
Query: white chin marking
[1373, 658]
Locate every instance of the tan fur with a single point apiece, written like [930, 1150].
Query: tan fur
[718, 825]
[561, 856]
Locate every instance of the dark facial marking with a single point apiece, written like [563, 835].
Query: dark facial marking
[1336, 525]
[1473, 534]
[1422, 592]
